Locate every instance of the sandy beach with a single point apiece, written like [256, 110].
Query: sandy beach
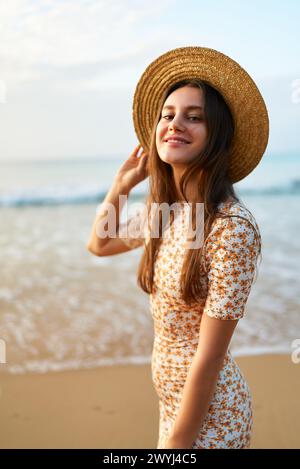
[116, 407]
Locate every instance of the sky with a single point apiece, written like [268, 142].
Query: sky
[68, 69]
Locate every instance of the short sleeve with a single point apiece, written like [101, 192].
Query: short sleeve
[133, 232]
[231, 256]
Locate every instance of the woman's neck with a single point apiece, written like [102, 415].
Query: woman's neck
[191, 187]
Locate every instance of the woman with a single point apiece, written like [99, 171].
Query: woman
[203, 128]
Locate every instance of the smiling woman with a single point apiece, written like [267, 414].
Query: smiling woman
[196, 139]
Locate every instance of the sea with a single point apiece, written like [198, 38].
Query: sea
[62, 308]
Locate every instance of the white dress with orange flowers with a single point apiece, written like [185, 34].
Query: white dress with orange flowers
[231, 252]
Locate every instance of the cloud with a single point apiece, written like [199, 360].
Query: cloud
[74, 39]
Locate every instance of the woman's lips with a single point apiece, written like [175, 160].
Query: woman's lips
[173, 143]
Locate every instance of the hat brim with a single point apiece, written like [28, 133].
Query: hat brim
[229, 78]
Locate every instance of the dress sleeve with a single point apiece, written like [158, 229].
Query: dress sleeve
[133, 232]
[231, 256]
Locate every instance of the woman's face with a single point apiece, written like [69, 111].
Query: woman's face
[182, 117]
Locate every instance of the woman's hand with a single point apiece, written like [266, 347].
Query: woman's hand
[133, 170]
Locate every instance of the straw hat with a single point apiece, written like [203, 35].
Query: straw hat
[222, 73]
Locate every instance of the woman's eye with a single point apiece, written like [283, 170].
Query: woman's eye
[190, 117]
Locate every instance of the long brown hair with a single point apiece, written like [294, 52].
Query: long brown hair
[212, 184]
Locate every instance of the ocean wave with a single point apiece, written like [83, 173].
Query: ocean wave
[45, 366]
[62, 194]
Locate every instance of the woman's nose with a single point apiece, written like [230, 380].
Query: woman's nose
[175, 123]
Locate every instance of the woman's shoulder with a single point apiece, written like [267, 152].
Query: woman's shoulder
[234, 233]
[236, 217]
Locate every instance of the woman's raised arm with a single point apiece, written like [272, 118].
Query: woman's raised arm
[132, 171]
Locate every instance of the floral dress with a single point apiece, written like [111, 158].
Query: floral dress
[231, 251]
